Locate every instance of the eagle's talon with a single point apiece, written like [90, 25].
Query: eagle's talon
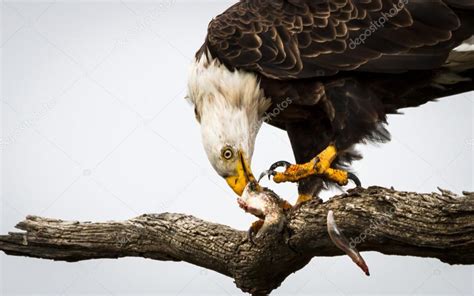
[354, 179]
[268, 173]
[281, 163]
[320, 165]
[271, 171]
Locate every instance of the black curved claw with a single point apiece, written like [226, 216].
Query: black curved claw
[271, 171]
[266, 173]
[278, 164]
[354, 179]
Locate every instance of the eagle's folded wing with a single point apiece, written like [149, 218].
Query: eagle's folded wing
[286, 39]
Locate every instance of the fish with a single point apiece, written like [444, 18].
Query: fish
[266, 205]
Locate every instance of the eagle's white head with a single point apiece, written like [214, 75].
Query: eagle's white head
[229, 106]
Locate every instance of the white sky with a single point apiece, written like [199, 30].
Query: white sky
[97, 129]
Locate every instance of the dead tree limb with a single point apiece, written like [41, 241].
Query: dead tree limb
[375, 219]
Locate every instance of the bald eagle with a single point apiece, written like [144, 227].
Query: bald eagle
[325, 71]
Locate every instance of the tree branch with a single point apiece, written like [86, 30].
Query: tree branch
[374, 219]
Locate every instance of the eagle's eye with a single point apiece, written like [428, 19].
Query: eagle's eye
[227, 153]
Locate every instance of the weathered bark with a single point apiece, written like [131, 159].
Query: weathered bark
[375, 219]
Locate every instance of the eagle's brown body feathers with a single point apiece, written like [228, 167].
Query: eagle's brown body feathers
[344, 64]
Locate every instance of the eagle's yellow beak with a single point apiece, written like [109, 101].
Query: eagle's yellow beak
[244, 175]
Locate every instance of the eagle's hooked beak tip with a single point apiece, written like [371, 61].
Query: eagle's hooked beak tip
[243, 176]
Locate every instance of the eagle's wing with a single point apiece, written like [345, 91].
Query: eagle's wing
[286, 39]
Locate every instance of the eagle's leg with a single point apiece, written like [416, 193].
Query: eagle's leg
[319, 165]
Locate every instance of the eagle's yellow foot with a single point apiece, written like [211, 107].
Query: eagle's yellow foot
[320, 165]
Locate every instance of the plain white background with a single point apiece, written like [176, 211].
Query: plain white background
[95, 127]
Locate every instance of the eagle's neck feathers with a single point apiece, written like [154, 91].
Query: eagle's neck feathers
[210, 80]
[229, 104]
